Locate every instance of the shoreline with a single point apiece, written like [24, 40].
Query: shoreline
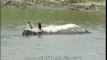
[84, 6]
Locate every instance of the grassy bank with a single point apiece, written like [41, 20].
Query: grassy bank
[97, 0]
[15, 17]
[59, 0]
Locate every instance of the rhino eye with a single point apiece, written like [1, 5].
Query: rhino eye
[34, 33]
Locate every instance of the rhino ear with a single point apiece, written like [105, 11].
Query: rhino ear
[39, 25]
[30, 24]
[27, 27]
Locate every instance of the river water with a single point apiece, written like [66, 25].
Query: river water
[14, 46]
[91, 46]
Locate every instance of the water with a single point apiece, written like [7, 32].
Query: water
[14, 46]
[87, 46]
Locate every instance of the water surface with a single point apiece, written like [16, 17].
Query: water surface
[14, 46]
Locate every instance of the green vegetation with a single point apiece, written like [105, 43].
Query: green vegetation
[97, 0]
[78, 1]
[15, 17]
[39, 1]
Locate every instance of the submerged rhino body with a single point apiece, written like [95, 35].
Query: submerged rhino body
[54, 29]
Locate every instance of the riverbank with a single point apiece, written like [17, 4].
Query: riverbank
[79, 13]
[81, 6]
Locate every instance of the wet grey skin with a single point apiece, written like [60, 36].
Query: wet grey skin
[28, 32]
[74, 30]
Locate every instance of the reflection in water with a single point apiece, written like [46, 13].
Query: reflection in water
[39, 36]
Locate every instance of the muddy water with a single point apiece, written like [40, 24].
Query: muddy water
[85, 46]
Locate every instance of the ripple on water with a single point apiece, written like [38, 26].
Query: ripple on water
[85, 45]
